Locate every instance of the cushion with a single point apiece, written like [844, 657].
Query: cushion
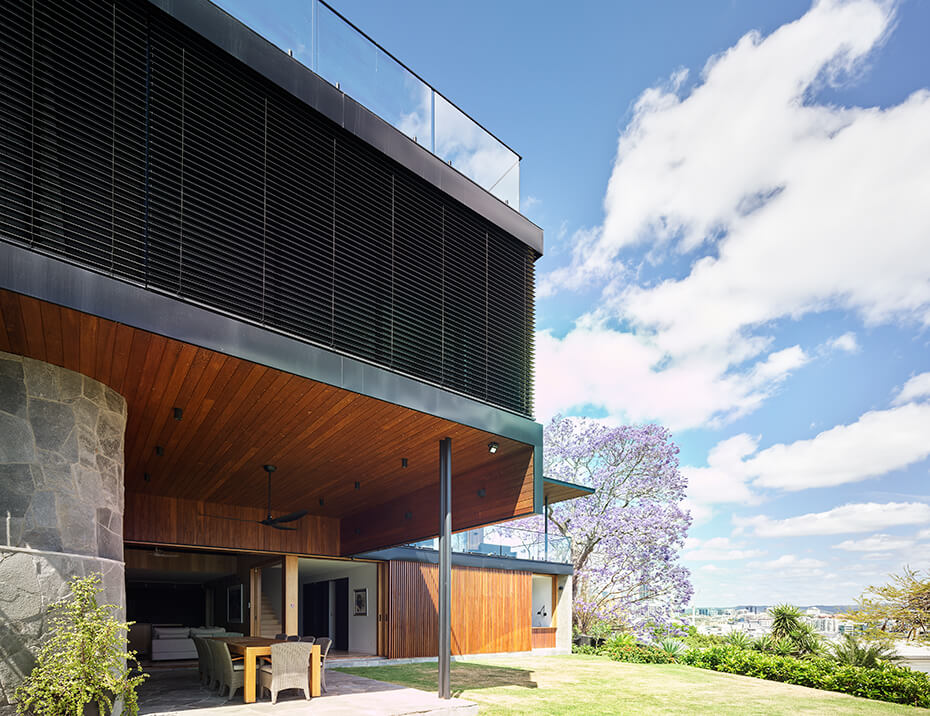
[207, 631]
[170, 632]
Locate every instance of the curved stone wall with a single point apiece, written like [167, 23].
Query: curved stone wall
[61, 499]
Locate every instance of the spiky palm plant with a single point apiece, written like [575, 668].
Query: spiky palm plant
[763, 644]
[854, 652]
[672, 647]
[739, 639]
[786, 618]
[783, 646]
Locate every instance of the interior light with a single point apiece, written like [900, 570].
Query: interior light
[492, 447]
[178, 413]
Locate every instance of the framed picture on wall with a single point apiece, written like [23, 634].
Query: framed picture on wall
[361, 602]
[234, 603]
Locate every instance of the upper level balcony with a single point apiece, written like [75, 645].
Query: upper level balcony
[320, 38]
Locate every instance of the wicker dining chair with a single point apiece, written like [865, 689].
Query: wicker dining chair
[204, 661]
[289, 669]
[282, 636]
[307, 639]
[325, 643]
[230, 676]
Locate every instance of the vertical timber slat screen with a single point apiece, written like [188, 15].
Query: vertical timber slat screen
[490, 611]
[131, 146]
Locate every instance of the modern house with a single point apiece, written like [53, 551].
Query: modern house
[212, 260]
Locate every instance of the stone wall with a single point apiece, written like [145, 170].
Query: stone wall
[61, 500]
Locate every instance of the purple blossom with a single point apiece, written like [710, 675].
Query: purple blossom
[627, 535]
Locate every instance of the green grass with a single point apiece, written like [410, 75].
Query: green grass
[580, 684]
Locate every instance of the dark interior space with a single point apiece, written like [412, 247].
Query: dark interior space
[161, 603]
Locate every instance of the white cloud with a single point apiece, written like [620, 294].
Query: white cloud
[876, 543]
[877, 443]
[917, 387]
[798, 206]
[846, 342]
[593, 365]
[723, 480]
[720, 549]
[790, 561]
[713, 568]
[863, 517]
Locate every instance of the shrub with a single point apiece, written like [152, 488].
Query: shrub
[783, 646]
[672, 647]
[855, 652]
[700, 641]
[763, 643]
[638, 654]
[84, 660]
[739, 639]
[886, 683]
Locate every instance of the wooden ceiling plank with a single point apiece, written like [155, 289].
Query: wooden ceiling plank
[51, 324]
[32, 320]
[88, 328]
[13, 320]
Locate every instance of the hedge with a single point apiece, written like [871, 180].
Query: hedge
[896, 684]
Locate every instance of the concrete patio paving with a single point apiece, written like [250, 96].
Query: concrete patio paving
[178, 691]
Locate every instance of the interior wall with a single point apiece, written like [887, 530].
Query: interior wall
[542, 600]
[563, 614]
[363, 635]
[272, 583]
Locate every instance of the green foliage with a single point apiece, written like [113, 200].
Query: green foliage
[786, 618]
[84, 659]
[623, 647]
[700, 641]
[783, 646]
[806, 640]
[764, 644]
[672, 647]
[620, 639]
[739, 639]
[886, 683]
[900, 609]
[856, 652]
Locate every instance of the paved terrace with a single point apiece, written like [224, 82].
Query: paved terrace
[178, 691]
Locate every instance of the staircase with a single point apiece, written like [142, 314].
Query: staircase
[271, 625]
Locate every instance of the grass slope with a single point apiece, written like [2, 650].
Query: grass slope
[580, 684]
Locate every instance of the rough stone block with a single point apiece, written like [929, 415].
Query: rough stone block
[52, 423]
[16, 440]
[41, 379]
[16, 488]
[12, 395]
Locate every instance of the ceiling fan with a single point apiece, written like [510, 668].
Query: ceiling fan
[270, 521]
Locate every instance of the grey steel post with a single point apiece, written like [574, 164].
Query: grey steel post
[445, 568]
[546, 523]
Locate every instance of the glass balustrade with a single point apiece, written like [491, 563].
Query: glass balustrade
[321, 39]
[513, 542]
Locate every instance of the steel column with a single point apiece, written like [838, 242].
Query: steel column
[546, 522]
[445, 567]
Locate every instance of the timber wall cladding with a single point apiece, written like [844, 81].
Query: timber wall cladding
[154, 519]
[490, 610]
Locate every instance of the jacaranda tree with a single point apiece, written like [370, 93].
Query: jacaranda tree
[627, 535]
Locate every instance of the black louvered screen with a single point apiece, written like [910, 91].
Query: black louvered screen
[130, 145]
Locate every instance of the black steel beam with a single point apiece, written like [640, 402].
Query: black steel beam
[50, 279]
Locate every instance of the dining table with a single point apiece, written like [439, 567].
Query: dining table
[252, 647]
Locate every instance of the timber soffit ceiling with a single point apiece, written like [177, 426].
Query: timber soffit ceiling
[337, 452]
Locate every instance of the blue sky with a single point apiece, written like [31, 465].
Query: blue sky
[736, 201]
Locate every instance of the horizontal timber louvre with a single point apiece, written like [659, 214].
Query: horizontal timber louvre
[132, 146]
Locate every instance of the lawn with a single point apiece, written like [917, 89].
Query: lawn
[580, 684]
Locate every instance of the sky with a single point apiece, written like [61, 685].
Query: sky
[735, 196]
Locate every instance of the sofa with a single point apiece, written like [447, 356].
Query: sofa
[177, 642]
